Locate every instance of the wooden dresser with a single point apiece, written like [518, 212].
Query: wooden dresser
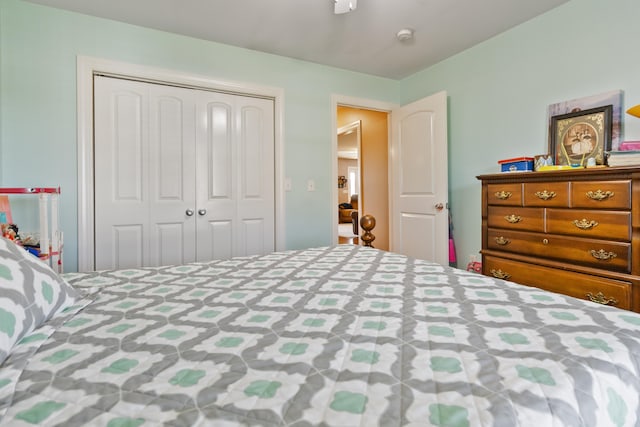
[575, 232]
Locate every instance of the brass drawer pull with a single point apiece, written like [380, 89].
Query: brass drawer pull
[600, 195]
[602, 255]
[499, 274]
[502, 241]
[585, 224]
[545, 241]
[601, 299]
[503, 195]
[513, 219]
[545, 195]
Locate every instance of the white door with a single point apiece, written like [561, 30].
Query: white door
[419, 215]
[171, 195]
[121, 165]
[236, 195]
[167, 180]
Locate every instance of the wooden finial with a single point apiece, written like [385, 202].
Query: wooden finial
[368, 222]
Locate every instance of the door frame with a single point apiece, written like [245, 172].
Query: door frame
[367, 104]
[87, 67]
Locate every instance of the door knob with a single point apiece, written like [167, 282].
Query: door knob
[189, 212]
[439, 206]
[202, 212]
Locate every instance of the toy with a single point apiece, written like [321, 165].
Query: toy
[473, 265]
[10, 231]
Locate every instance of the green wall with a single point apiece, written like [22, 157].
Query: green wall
[498, 95]
[499, 92]
[38, 50]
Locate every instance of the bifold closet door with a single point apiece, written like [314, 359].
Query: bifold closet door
[180, 174]
[236, 176]
[144, 155]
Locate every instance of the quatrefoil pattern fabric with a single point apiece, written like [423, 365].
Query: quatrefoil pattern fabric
[337, 336]
[30, 294]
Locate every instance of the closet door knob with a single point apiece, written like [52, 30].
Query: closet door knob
[189, 212]
[202, 212]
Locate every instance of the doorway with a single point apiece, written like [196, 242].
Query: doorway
[349, 183]
[372, 165]
[415, 137]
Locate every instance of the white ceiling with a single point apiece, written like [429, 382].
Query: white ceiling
[363, 40]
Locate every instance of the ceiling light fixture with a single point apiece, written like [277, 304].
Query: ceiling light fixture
[344, 6]
[405, 34]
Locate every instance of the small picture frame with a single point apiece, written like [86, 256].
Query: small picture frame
[582, 135]
[542, 160]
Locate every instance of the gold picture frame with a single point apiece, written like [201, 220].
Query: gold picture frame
[577, 137]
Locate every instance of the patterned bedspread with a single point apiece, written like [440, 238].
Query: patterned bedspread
[338, 336]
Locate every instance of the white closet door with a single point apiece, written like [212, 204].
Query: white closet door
[180, 175]
[236, 176]
[172, 174]
[144, 167]
[121, 178]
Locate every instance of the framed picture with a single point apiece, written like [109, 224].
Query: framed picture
[613, 97]
[582, 135]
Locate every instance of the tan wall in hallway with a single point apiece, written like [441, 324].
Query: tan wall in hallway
[375, 162]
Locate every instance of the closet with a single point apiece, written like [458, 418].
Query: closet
[181, 174]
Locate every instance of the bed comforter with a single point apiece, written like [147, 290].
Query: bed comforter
[336, 336]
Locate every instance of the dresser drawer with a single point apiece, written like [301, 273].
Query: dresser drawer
[601, 194]
[613, 225]
[546, 194]
[513, 218]
[504, 194]
[603, 254]
[584, 286]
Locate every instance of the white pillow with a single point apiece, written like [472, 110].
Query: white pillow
[30, 294]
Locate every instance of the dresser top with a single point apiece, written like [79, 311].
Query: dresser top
[566, 174]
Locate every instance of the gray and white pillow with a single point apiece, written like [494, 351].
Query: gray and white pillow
[30, 294]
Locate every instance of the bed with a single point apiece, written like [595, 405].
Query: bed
[335, 336]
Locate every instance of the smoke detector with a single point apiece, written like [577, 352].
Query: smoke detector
[405, 34]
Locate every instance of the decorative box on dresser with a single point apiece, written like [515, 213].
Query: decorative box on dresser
[575, 232]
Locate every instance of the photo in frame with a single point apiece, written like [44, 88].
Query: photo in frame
[613, 97]
[582, 135]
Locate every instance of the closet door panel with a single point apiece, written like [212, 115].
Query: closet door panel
[120, 145]
[218, 144]
[252, 153]
[169, 145]
[215, 165]
[128, 245]
[256, 176]
[129, 141]
[253, 233]
[172, 175]
[171, 243]
[221, 239]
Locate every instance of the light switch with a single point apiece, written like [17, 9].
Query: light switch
[311, 185]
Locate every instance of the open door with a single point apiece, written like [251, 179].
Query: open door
[419, 179]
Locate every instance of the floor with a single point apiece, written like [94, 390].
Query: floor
[346, 236]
